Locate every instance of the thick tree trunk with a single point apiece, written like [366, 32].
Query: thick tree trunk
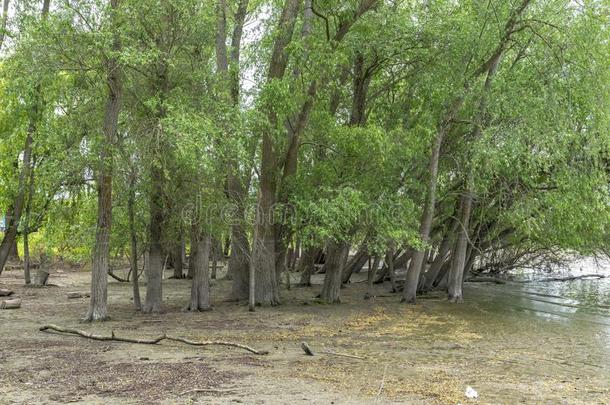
[239, 261]
[307, 265]
[456, 274]
[335, 263]
[264, 244]
[99, 272]
[200, 286]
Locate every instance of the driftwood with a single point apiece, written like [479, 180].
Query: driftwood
[570, 278]
[152, 341]
[308, 351]
[10, 304]
[72, 295]
[5, 293]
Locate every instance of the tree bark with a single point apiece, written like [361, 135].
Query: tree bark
[441, 256]
[415, 267]
[371, 277]
[239, 261]
[307, 265]
[3, 21]
[264, 244]
[200, 286]
[335, 263]
[355, 263]
[456, 273]
[137, 302]
[99, 272]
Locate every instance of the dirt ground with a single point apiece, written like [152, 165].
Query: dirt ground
[428, 353]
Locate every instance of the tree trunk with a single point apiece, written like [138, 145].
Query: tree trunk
[390, 264]
[411, 283]
[441, 256]
[456, 274]
[355, 264]
[26, 230]
[264, 244]
[200, 286]
[134, 244]
[99, 272]
[239, 261]
[12, 225]
[307, 265]
[371, 277]
[335, 263]
[176, 255]
[3, 21]
[415, 267]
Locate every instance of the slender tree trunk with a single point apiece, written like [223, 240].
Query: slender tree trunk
[456, 274]
[200, 286]
[154, 270]
[370, 278]
[3, 21]
[335, 263]
[10, 233]
[355, 263]
[414, 270]
[134, 243]
[99, 272]
[417, 261]
[26, 230]
[177, 257]
[441, 256]
[390, 264]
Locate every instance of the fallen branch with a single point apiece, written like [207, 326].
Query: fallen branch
[15, 303]
[308, 351]
[72, 295]
[217, 343]
[5, 293]
[156, 340]
[209, 390]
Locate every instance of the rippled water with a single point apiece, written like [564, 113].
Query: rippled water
[582, 302]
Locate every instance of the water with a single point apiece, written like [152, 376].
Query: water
[584, 303]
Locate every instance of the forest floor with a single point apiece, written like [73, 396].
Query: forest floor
[427, 353]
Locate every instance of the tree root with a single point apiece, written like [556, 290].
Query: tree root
[153, 341]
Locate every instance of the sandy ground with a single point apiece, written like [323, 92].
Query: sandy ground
[428, 353]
